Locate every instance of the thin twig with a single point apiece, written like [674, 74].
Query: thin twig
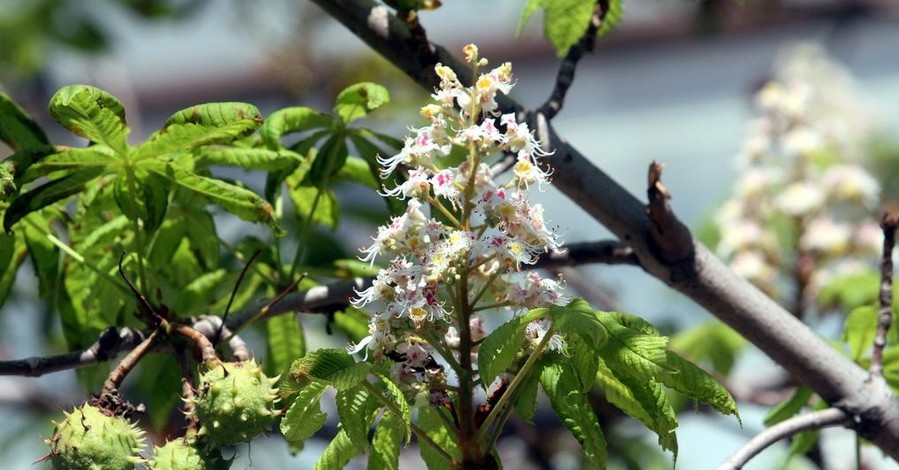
[888, 222]
[111, 342]
[200, 341]
[815, 420]
[127, 364]
[567, 68]
[212, 326]
[602, 251]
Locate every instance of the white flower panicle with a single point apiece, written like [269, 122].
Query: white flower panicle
[802, 195]
[460, 226]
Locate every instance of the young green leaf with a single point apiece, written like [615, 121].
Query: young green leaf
[286, 342]
[499, 349]
[620, 395]
[12, 255]
[292, 120]
[790, 407]
[859, 330]
[338, 453]
[584, 361]
[249, 158]
[713, 340]
[436, 429]
[653, 400]
[578, 318]
[356, 170]
[525, 400]
[529, 8]
[358, 100]
[356, 408]
[239, 201]
[44, 256]
[329, 159]
[304, 417]
[352, 322]
[334, 367]
[612, 17]
[70, 158]
[396, 396]
[696, 383]
[318, 206]
[627, 350]
[17, 129]
[386, 443]
[565, 22]
[49, 193]
[92, 113]
[143, 195]
[563, 388]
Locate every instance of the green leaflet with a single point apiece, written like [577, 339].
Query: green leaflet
[696, 383]
[584, 361]
[639, 354]
[499, 350]
[565, 22]
[142, 195]
[859, 330]
[92, 113]
[356, 408]
[525, 400]
[304, 417]
[194, 298]
[69, 158]
[352, 322]
[396, 395]
[12, 255]
[291, 120]
[286, 342]
[435, 428]
[239, 201]
[621, 396]
[323, 201]
[46, 194]
[17, 129]
[359, 99]
[249, 158]
[578, 318]
[652, 398]
[561, 385]
[329, 160]
[334, 367]
[357, 170]
[789, 408]
[44, 256]
[338, 453]
[386, 443]
[713, 340]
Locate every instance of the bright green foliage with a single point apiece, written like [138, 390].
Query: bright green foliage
[304, 417]
[181, 454]
[338, 453]
[356, 407]
[436, 428]
[234, 403]
[386, 444]
[565, 393]
[90, 439]
[286, 342]
[333, 367]
[17, 129]
[358, 100]
[789, 408]
[713, 341]
[859, 331]
[565, 21]
[395, 395]
[499, 349]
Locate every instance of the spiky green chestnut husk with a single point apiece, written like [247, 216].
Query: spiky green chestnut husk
[180, 454]
[234, 403]
[89, 439]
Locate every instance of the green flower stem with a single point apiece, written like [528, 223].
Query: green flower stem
[444, 352]
[492, 306]
[435, 203]
[419, 432]
[513, 386]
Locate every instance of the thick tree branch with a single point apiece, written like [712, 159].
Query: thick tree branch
[815, 420]
[603, 251]
[567, 68]
[888, 223]
[702, 277]
[111, 342]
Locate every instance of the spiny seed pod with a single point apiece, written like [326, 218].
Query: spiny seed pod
[90, 439]
[234, 403]
[182, 454]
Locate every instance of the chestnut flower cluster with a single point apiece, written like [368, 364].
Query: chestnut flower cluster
[455, 251]
[801, 211]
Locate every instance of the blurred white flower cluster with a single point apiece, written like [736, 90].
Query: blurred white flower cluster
[455, 251]
[802, 209]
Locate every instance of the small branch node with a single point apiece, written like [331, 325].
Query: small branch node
[671, 239]
[889, 221]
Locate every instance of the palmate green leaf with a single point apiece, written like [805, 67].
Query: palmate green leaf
[356, 408]
[565, 22]
[239, 201]
[790, 407]
[525, 400]
[201, 125]
[338, 453]
[318, 206]
[396, 395]
[334, 367]
[49, 193]
[92, 113]
[386, 443]
[436, 428]
[44, 255]
[694, 382]
[304, 417]
[499, 350]
[563, 388]
[249, 158]
[859, 330]
[17, 129]
[142, 195]
[70, 158]
[329, 159]
[292, 120]
[639, 354]
[356, 170]
[652, 398]
[612, 17]
[529, 9]
[286, 342]
[621, 396]
[578, 318]
[584, 361]
[358, 100]
[196, 297]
